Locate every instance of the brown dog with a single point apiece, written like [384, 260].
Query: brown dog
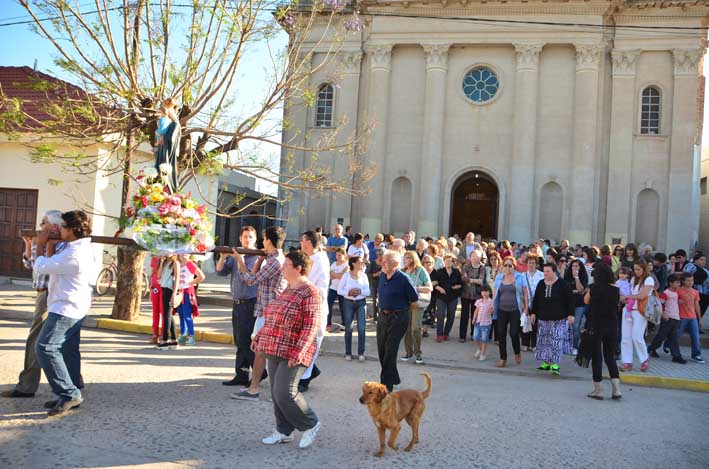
[389, 409]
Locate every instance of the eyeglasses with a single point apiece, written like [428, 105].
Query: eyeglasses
[508, 265]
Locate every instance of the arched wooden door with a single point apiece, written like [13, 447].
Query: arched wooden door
[474, 205]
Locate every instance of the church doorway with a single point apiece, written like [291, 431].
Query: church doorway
[474, 205]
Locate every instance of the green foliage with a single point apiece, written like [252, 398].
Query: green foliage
[54, 182]
[43, 153]
[12, 116]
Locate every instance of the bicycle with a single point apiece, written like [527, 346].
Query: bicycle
[108, 275]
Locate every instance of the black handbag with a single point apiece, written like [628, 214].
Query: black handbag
[586, 348]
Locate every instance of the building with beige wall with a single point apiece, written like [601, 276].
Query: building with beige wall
[576, 120]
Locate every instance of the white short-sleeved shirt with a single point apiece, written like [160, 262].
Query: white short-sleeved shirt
[337, 269]
[635, 289]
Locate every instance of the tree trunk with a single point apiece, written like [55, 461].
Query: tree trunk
[130, 261]
[128, 285]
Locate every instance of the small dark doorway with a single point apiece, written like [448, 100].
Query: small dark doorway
[474, 205]
[18, 211]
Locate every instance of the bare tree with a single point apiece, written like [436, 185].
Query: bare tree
[125, 58]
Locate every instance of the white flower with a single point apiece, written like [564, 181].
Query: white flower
[165, 168]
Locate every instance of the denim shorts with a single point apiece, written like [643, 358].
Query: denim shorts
[482, 333]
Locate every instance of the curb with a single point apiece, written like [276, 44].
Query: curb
[224, 338]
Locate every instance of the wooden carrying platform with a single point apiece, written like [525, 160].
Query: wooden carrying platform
[130, 243]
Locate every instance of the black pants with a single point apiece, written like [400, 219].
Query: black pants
[445, 316]
[668, 333]
[604, 351]
[703, 305]
[242, 324]
[167, 322]
[390, 330]
[467, 308]
[505, 318]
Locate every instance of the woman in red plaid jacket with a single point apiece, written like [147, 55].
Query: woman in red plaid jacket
[288, 338]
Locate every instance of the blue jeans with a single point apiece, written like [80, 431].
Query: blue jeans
[693, 327]
[579, 313]
[445, 312]
[331, 297]
[185, 312]
[58, 354]
[350, 309]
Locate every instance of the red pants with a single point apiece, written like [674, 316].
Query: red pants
[156, 300]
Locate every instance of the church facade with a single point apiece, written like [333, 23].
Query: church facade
[576, 120]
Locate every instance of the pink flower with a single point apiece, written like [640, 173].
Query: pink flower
[163, 209]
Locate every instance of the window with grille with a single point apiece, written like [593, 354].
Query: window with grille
[650, 111]
[323, 109]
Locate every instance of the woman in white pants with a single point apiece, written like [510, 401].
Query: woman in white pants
[634, 323]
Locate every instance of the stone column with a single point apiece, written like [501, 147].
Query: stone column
[682, 221]
[372, 205]
[585, 158]
[620, 160]
[295, 114]
[340, 205]
[522, 171]
[429, 195]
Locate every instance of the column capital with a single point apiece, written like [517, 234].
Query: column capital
[351, 62]
[380, 55]
[624, 61]
[527, 54]
[588, 56]
[687, 61]
[436, 56]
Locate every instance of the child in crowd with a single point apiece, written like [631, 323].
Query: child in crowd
[689, 315]
[623, 284]
[670, 320]
[482, 320]
[337, 270]
[185, 300]
[155, 297]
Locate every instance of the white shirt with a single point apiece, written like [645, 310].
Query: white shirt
[533, 280]
[337, 269]
[320, 277]
[362, 251]
[347, 283]
[70, 278]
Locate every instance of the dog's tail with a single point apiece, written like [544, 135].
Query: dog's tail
[427, 391]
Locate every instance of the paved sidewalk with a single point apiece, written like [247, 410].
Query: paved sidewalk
[214, 325]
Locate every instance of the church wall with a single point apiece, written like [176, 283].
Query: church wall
[554, 154]
[651, 154]
[478, 136]
[405, 125]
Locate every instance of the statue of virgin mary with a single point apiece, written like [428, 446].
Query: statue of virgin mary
[168, 143]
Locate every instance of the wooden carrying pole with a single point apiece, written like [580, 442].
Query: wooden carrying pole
[129, 242]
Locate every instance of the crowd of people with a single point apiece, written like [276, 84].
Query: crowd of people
[594, 302]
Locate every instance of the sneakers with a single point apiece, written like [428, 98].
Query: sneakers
[238, 381]
[406, 358]
[574, 352]
[361, 358]
[63, 406]
[348, 358]
[309, 436]
[190, 341]
[439, 339]
[328, 328]
[544, 367]
[419, 359]
[446, 338]
[245, 395]
[698, 359]
[172, 345]
[161, 346]
[276, 438]
[555, 370]
[182, 340]
[482, 357]
[679, 360]
[653, 354]
[477, 354]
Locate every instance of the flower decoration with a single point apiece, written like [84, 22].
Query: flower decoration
[166, 223]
